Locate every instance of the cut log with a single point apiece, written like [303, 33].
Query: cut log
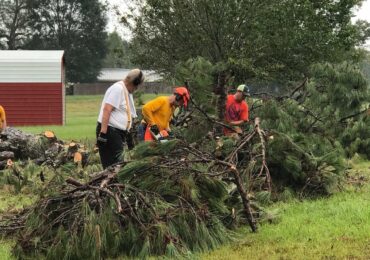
[9, 163]
[42, 149]
[49, 135]
[2, 165]
[77, 158]
[6, 155]
[22, 144]
[73, 147]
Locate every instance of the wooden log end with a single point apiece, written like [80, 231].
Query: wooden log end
[9, 163]
[77, 157]
[49, 134]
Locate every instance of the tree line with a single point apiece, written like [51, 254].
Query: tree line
[76, 26]
[270, 40]
[274, 41]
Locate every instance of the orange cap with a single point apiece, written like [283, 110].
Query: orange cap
[182, 91]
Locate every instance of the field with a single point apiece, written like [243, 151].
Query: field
[335, 227]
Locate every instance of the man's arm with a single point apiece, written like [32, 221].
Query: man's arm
[244, 117]
[107, 110]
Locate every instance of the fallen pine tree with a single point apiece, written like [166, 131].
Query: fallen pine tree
[172, 199]
[314, 124]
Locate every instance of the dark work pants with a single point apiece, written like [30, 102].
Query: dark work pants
[141, 131]
[111, 152]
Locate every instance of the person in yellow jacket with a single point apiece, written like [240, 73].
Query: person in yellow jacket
[158, 112]
[2, 119]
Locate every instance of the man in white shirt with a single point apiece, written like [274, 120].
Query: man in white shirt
[116, 117]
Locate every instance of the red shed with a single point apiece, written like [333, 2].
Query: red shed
[32, 88]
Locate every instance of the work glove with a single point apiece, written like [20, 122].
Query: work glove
[102, 139]
[173, 121]
[130, 141]
[154, 129]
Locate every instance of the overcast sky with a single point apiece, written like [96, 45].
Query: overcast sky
[362, 13]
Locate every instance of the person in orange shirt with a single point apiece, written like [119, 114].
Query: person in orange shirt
[2, 119]
[237, 113]
[158, 112]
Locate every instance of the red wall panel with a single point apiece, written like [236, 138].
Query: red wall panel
[32, 103]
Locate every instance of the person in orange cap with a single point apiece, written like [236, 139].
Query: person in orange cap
[237, 112]
[158, 113]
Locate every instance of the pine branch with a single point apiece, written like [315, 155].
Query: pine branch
[366, 110]
[283, 97]
[264, 167]
[209, 118]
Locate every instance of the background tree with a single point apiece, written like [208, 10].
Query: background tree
[365, 65]
[76, 26]
[258, 39]
[14, 19]
[118, 54]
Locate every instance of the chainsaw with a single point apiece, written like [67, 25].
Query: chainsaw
[160, 136]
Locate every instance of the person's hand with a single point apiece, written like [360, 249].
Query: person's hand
[154, 129]
[102, 139]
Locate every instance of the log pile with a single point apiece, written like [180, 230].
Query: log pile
[44, 148]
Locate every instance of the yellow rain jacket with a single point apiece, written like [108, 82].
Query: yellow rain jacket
[158, 112]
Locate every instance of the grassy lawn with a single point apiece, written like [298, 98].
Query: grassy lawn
[10, 201]
[81, 115]
[337, 227]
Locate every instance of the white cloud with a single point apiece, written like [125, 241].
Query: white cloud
[116, 9]
[363, 13]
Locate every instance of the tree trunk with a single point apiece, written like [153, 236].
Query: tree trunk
[220, 91]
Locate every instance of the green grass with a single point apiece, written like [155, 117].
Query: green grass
[81, 116]
[337, 227]
[5, 248]
[10, 201]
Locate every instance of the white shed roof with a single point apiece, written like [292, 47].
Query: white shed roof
[31, 66]
[116, 74]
